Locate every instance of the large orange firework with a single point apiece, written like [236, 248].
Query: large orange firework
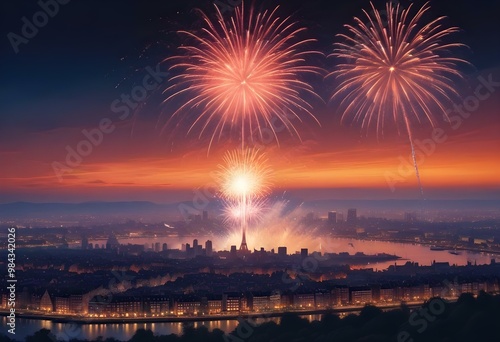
[241, 73]
[396, 69]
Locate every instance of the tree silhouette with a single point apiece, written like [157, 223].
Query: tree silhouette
[142, 335]
[42, 335]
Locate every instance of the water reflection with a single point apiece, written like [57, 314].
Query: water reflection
[123, 332]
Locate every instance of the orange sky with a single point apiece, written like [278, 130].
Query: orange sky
[145, 165]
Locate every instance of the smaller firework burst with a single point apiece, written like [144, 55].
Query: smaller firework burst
[400, 69]
[245, 173]
[244, 181]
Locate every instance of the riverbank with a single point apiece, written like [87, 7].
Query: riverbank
[422, 243]
[203, 318]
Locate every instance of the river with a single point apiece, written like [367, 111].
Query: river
[408, 252]
[122, 332]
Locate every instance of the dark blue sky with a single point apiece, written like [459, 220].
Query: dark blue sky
[90, 46]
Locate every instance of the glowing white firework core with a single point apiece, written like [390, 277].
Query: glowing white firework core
[245, 175]
[242, 184]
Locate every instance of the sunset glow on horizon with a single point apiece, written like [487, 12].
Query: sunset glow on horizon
[464, 160]
[71, 145]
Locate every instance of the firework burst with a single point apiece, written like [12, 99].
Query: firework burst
[233, 211]
[244, 181]
[396, 69]
[244, 174]
[242, 73]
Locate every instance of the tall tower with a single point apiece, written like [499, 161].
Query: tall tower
[85, 242]
[332, 217]
[208, 248]
[243, 246]
[352, 216]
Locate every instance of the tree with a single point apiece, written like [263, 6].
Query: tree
[142, 335]
[42, 335]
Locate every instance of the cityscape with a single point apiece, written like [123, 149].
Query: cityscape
[106, 275]
[250, 170]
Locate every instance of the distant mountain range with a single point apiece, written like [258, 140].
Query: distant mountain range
[23, 210]
[131, 210]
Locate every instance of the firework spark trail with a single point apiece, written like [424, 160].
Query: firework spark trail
[414, 157]
[243, 73]
[396, 68]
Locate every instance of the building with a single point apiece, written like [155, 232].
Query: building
[340, 296]
[112, 243]
[303, 301]
[157, 247]
[155, 305]
[304, 252]
[332, 217]
[322, 300]
[282, 251]
[261, 303]
[361, 296]
[46, 303]
[352, 215]
[402, 293]
[121, 306]
[197, 248]
[214, 306]
[231, 302]
[386, 294]
[275, 301]
[62, 305]
[164, 247]
[4, 298]
[85, 242]
[124, 305]
[76, 304]
[205, 215]
[208, 248]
